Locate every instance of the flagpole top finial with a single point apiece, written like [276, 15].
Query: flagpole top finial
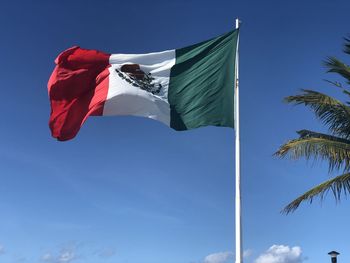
[238, 22]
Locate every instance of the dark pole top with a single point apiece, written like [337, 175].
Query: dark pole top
[333, 253]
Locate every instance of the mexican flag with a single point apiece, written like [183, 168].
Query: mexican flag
[184, 88]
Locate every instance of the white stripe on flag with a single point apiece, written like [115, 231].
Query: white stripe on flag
[124, 98]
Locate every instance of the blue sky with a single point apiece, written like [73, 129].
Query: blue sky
[131, 190]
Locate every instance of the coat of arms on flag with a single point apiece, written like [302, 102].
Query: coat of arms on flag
[133, 74]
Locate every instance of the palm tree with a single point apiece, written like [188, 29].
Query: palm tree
[333, 147]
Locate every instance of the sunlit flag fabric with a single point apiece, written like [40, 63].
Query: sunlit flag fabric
[184, 88]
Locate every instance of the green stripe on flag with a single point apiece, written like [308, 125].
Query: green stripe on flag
[201, 88]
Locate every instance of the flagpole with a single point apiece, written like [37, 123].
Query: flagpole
[238, 217]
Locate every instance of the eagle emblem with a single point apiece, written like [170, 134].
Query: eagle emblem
[133, 74]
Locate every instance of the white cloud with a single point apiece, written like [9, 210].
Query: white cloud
[65, 256]
[281, 254]
[220, 257]
[247, 253]
[47, 257]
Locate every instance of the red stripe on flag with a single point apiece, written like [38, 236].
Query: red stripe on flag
[78, 88]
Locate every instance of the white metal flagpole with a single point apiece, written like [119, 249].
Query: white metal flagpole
[238, 216]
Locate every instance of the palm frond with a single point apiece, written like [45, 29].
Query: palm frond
[332, 112]
[338, 186]
[318, 146]
[335, 65]
[347, 45]
[333, 148]
[347, 92]
[334, 83]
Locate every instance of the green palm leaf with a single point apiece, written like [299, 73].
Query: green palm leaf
[318, 146]
[332, 112]
[336, 66]
[347, 45]
[337, 185]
